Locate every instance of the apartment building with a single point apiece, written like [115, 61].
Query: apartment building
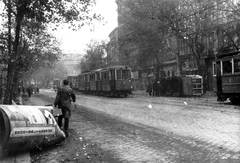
[208, 28]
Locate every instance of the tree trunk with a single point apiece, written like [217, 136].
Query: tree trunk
[179, 65]
[7, 96]
[12, 63]
[199, 66]
[15, 86]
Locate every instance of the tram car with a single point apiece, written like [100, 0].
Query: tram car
[116, 80]
[113, 81]
[95, 81]
[83, 82]
[226, 77]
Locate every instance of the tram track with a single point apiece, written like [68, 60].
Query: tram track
[184, 102]
[170, 117]
[228, 108]
[138, 142]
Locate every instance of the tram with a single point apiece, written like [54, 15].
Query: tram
[112, 80]
[226, 77]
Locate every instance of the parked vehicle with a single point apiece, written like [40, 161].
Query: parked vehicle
[226, 77]
[83, 82]
[179, 86]
[112, 80]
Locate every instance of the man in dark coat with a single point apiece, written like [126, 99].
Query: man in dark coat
[63, 101]
[158, 88]
[155, 87]
[150, 88]
[30, 90]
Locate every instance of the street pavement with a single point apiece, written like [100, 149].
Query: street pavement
[17, 158]
[216, 127]
[201, 123]
[217, 124]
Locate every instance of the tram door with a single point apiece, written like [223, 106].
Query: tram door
[112, 80]
[217, 77]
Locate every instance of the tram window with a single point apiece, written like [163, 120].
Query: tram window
[98, 76]
[112, 74]
[95, 77]
[214, 69]
[227, 67]
[237, 65]
[119, 75]
[104, 76]
[92, 77]
[125, 74]
[86, 78]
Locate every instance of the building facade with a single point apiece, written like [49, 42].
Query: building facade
[210, 28]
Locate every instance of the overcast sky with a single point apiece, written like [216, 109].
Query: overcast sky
[75, 41]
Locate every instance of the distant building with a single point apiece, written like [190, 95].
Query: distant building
[71, 62]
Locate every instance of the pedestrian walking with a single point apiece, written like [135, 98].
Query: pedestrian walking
[30, 90]
[155, 87]
[158, 88]
[37, 89]
[63, 101]
[150, 88]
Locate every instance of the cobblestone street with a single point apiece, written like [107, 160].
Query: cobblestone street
[172, 130]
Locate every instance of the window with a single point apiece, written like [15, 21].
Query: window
[125, 74]
[227, 67]
[119, 74]
[98, 76]
[112, 74]
[86, 78]
[214, 69]
[92, 77]
[237, 65]
[105, 75]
